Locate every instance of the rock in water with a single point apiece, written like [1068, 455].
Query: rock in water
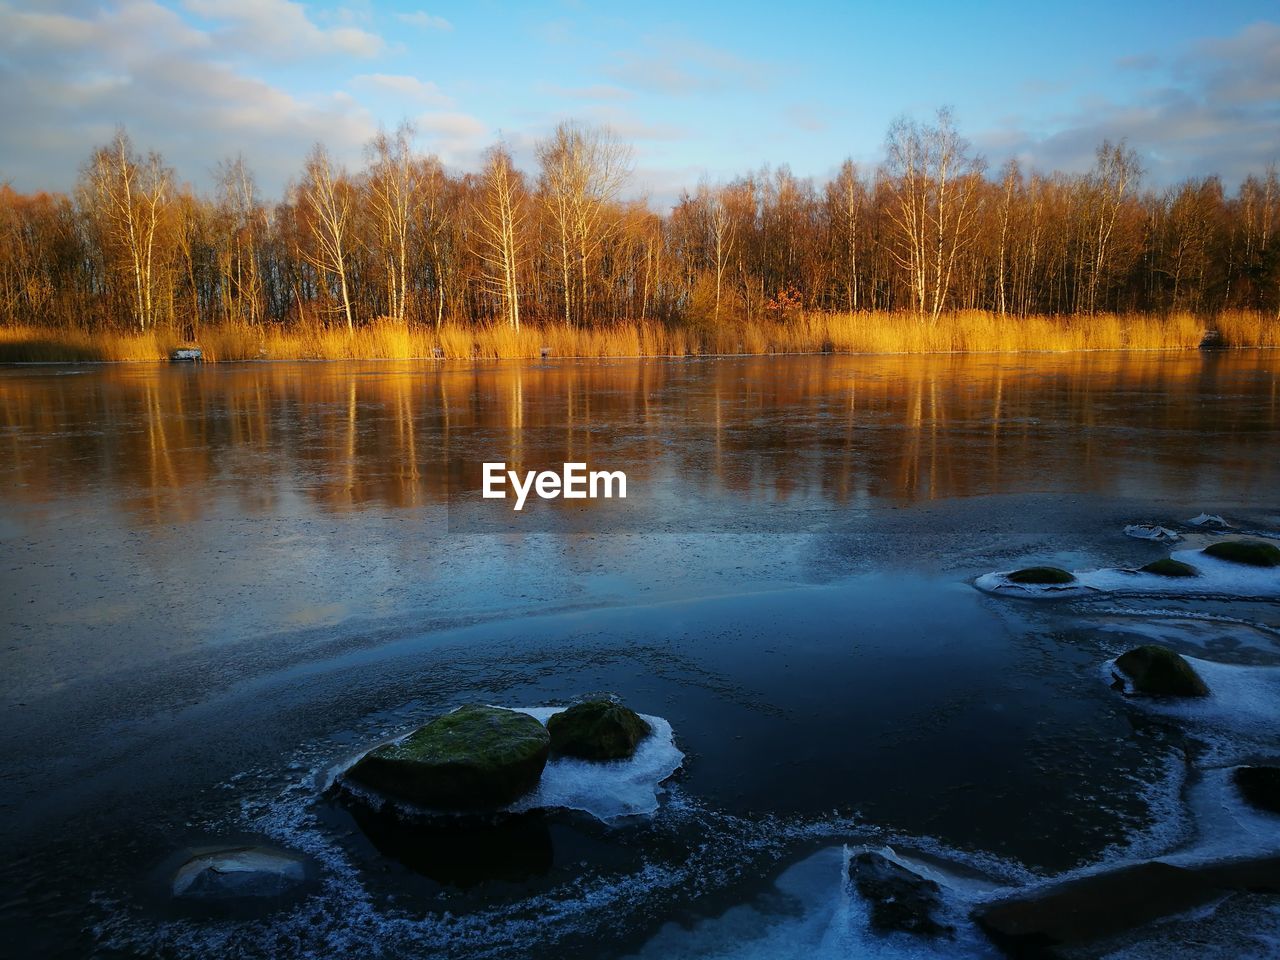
[1159, 672]
[1169, 567]
[1260, 786]
[1092, 907]
[597, 730]
[901, 901]
[1041, 575]
[234, 873]
[1253, 553]
[472, 758]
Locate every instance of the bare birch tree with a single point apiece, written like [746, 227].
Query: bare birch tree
[1116, 170]
[936, 183]
[130, 196]
[583, 171]
[500, 214]
[395, 194]
[846, 198]
[329, 203]
[243, 220]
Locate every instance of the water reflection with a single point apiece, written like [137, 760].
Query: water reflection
[165, 443]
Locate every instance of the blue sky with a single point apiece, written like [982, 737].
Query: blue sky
[700, 89]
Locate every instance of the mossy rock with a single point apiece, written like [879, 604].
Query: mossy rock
[1253, 553]
[597, 730]
[1041, 575]
[1260, 786]
[1159, 672]
[1169, 567]
[474, 757]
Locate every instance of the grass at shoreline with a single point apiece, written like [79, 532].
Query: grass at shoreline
[878, 333]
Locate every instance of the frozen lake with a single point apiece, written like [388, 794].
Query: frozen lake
[219, 582]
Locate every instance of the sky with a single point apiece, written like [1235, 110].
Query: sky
[702, 90]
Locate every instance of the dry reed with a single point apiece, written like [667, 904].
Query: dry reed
[962, 332]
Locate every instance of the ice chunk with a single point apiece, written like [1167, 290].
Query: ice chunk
[1151, 531]
[1211, 520]
[606, 789]
[811, 913]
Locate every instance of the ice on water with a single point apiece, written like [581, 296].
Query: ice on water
[608, 790]
[1216, 578]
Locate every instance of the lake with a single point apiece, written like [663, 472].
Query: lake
[221, 581]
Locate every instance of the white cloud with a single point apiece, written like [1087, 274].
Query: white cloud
[1212, 109]
[678, 67]
[69, 75]
[282, 28]
[422, 92]
[452, 124]
[598, 91]
[458, 139]
[427, 21]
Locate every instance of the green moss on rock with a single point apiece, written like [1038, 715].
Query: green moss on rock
[1260, 786]
[1169, 567]
[597, 730]
[1041, 575]
[1158, 671]
[1253, 553]
[474, 757]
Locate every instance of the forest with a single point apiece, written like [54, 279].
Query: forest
[929, 234]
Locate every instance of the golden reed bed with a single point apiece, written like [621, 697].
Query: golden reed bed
[964, 332]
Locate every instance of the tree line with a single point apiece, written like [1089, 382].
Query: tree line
[929, 230]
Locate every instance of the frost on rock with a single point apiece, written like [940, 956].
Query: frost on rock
[1151, 531]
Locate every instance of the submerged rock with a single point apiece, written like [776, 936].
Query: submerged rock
[233, 873]
[1092, 907]
[461, 850]
[901, 900]
[597, 730]
[1260, 786]
[1253, 553]
[474, 757]
[1169, 567]
[1041, 575]
[1159, 672]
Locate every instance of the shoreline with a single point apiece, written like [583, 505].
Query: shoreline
[645, 356]
[808, 334]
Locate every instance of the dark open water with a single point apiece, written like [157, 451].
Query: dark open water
[217, 582]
